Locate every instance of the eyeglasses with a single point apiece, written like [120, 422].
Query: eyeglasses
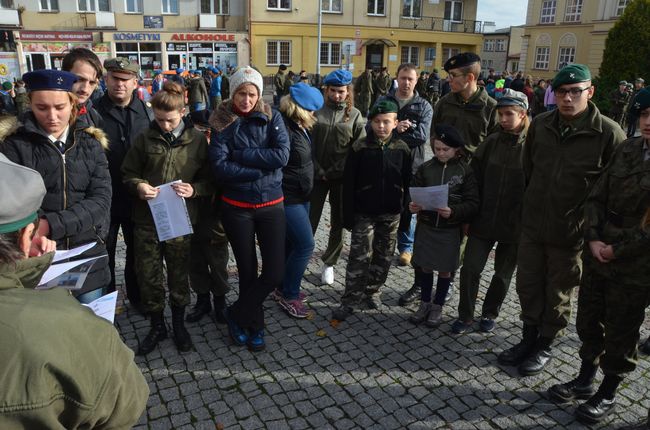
[455, 75]
[573, 92]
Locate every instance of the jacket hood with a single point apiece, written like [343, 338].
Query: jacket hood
[99, 135]
[8, 126]
[223, 116]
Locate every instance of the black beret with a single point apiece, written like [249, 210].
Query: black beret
[201, 117]
[461, 60]
[641, 101]
[448, 135]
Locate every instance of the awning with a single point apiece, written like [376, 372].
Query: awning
[386, 42]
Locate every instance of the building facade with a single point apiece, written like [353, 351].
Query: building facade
[360, 34]
[157, 34]
[501, 49]
[554, 27]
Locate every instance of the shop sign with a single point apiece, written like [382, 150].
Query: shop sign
[201, 47]
[136, 36]
[215, 37]
[68, 36]
[225, 47]
[182, 47]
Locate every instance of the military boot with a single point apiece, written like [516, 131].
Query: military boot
[157, 333]
[579, 388]
[541, 355]
[181, 336]
[409, 296]
[220, 309]
[202, 307]
[518, 353]
[600, 404]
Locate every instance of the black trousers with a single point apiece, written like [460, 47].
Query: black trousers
[130, 279]
[242, 227]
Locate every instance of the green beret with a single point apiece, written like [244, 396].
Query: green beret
[383, 106]
[641, 101]
[572, 74]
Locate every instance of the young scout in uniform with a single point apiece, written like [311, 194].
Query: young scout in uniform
[376, 176]
[565, 151]
[614, 289]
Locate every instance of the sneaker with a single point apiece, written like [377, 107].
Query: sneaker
[421, 314]
[237, 334]
[255, 341]
[486, 325]
[435, 316]
[405, 258]
[450, 292]
[460, 327]
[277, 296]
[327, 277]
[342, 312]
[295, 308]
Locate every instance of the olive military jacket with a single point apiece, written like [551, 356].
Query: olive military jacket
[474, 119]
[613, 214]
[63, 367]
[560, 173]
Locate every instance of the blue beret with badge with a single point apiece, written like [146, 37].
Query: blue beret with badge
[448, 135]
[49, 80]
[338, 78]
[306, 96]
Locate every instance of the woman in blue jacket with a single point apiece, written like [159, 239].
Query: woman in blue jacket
[247, 153]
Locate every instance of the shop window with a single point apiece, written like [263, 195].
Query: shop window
[332, 6]
[567, 55]
[218, 7]
[49, 5]
[454, 11]
[147, 55]
[93, 5]
[330, 54]
[170, 6]
[376, 7]
[133, 6]
[278, 52]
[620, 7]
[500, 45]
[573, 11]
[542, 57]
[547, 15]
[412, 9]
[411, 54]
[278, 4]
[488, 45]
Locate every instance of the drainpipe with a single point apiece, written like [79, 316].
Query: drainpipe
[320, 24]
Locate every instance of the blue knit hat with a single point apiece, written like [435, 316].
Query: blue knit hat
[338, 78]
[306, 96]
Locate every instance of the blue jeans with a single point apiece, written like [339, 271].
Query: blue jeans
[405, 238]
[90, 296]
[300, 246]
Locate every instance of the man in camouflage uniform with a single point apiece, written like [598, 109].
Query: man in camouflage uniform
[433, 87]
[421, 85]
[639, 84]
[614, 290]
[381, 85]
[619, 100]
[363, 92]
[279, 80]
[565, 150]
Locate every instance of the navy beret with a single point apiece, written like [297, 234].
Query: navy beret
[53, 80]
[338, 78]
[641, 101]
[461, 60]
[306, 96]
[448, 135]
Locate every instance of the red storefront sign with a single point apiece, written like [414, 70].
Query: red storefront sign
[67, 36]
[209, 37]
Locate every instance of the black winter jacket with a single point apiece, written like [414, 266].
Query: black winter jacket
[298, 174]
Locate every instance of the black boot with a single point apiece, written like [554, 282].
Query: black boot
[202, 307]
[157, 333]
[181, 336]
[579, 388]
[518, 353]
[540, 356]
[409, 296]
[600, 404]
[220, 309]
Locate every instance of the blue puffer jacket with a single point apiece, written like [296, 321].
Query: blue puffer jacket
[247, 154]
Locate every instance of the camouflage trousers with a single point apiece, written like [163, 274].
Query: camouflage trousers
[209, 259]
[609, 317]
[371, 250]
[149, 255]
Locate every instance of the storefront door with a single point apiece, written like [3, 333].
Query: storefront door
[176, 60]
[374, 56]
[36, 61]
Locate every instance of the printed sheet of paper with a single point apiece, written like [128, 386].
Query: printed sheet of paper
[69, 253]
[430, 198]
[70, 275]
[170, 213]
[104, 307]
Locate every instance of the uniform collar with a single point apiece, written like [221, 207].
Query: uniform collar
[25, 273]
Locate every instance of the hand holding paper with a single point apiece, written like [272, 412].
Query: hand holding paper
[430, 198]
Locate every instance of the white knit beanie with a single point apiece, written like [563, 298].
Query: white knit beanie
[246, 75]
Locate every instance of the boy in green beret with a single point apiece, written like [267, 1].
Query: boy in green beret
[375, 179]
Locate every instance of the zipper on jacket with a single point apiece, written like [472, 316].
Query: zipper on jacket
[442, 182]
[65, 177]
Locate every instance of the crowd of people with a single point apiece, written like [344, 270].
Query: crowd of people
[563, 199]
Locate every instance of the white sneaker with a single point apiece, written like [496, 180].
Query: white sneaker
[327, 277]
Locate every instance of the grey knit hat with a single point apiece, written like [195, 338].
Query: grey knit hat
[246, 75]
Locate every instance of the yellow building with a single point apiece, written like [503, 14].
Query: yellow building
[361, 34]
[559, 32]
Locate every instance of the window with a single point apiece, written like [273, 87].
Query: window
[133, 6]
[412, 9]
[488, 45]
[94, 5]
[454, 11]
[278, 4]
[330, 54]
[542, 57]
[500, 45]
[278, 52]
[620, 7]
[218, 7]
[376, 7]
[429, 54]
[573, 11]
[548, 12]
[566, 56]
[170, 6]
[332, 6]
[410, 54]
[49, 5]
[6, 4]
[447, 53]
[486, 64]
